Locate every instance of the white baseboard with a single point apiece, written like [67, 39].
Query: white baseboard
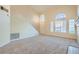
[7, 42]
[4, 44]
[12, 40]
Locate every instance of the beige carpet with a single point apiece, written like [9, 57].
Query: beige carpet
[38, 45]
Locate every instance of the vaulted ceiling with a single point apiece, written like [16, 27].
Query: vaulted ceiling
[36, 8]
[41, 8]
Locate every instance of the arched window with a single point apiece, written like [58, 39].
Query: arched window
[60, 22]
[60, 16]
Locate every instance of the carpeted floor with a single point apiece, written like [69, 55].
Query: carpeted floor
[38, 45]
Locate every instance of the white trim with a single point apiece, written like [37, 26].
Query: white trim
[11, 41]
[14, 39]
[4, 44]
[8, 42]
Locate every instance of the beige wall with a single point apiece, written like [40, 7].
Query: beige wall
[70, 12]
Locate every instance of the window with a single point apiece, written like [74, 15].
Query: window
[57, 26]
[63, 26]
[42, 21]
[72, 26]
[60, 26]
[42, 18]
[60, 23]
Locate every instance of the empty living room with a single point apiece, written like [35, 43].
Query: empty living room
[39, 29]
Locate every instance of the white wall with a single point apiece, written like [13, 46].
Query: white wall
[28, 31]
[4, 28]
[23, 26]
[22, 21]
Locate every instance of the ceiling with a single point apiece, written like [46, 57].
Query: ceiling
[41, 8]
[36, 8]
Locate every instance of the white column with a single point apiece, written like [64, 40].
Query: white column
[77, 24]
[78, 10]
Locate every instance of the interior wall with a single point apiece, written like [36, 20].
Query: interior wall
[23, 21]
[30, 15]
[77, 25]
[36, 22]
[78, 10]
[78, 34]
[70, 12]
[4, 27]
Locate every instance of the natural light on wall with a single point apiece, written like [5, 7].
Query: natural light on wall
[36, 19]
[51, 26]
[60, 22]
